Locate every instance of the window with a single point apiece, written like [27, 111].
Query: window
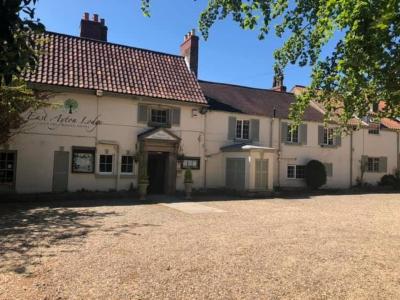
[127, 164]
[7, 167]
[83, 160]
[106, 163]
[373, 164]
[242, 129]
[159, 116]
[292, 134]
[373, 129]
[191, 163]
[295, 171]
[329, 136]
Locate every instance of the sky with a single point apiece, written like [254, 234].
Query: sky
[230, 55]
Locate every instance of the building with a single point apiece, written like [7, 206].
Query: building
[111, 102]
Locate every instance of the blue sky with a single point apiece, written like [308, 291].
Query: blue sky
[230, 54]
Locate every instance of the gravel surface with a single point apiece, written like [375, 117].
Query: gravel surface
[320, 247]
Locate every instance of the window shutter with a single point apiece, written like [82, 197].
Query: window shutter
[329, 169]
[364, 162]
[320, 135]
[169, 117]
[142, 113]
[255, 130]
[303, 134]
[231, 128]
[338, 138]
[382, 164]
[284, 132]
[176, 116]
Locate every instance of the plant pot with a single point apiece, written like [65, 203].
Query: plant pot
[143, 190]
[188, 190]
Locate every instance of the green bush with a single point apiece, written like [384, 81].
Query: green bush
[315, 174]
[188, 176]
[388, 180]
[391, 180]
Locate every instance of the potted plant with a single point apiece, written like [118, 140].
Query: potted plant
[188, 183]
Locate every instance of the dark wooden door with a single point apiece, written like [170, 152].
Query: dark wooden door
[156, 170]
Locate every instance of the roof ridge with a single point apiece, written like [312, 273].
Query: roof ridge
[244, 86]
[113, 44]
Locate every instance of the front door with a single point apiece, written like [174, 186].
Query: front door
[156, 169]
[60, 171]
[235, 173]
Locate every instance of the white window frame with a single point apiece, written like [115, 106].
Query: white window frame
[167, 112]
[375, 164]
[291, 134]
[112, 165]
[239, 135]
[295, 167]
[329, 136]
[133, 165]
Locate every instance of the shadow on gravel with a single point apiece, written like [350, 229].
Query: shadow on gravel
[25, 233]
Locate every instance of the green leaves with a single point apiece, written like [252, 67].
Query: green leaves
[17, 54]
[361, 70]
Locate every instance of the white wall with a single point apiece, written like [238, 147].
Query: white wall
[118, 123]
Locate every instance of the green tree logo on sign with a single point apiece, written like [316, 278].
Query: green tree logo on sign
[70, 105]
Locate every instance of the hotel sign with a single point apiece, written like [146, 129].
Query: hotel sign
[67, 117]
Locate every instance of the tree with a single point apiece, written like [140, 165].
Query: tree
[18, 27]
[363, 67]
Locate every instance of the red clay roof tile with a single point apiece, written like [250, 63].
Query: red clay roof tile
[84, 63]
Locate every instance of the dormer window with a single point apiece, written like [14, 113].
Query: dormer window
[242, 129]
[373, 129]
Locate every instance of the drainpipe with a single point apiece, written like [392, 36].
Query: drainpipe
[351, 158]
[398, 150]
[205, 150]
[279, 152]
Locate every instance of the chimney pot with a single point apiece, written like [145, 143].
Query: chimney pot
[93, 29]
[190, 51]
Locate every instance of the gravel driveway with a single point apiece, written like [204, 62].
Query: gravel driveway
[319, 247]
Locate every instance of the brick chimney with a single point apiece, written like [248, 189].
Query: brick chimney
[277, 84]
[190, 51]
[93, 29]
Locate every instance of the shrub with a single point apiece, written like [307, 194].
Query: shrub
[388, 180]
[315, 174]
[188, 176]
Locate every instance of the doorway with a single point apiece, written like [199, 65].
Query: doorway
[156, 170]
[60, 171]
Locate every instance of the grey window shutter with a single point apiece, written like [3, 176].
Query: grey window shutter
[382, 164]
[364, 162]
[320, 135]
[338, 138]
[284, 132]
[255, 130]
[142, 113]
[176, 116]
[169, 117]
[303, 134]
[329, 169]
[231, 128]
